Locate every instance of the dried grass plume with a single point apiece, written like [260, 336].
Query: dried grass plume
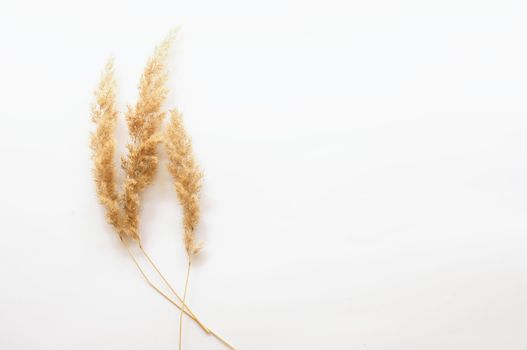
[144, 121]
[122, 205]
[187, 178]
[104, 114]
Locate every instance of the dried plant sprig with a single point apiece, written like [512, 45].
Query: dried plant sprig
[146, 116]
[144, 121]
[187, 181]
[104, 115]
[140, 165]
[187, 178]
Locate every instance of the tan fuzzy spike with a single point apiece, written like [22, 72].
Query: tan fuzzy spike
[144, 121]
[187, 178]
[104, 115]
[140, 165]
[146, 116]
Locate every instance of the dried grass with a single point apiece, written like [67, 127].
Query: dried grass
[104, 115]
[140, 164]
[187, 181]
[187, 178]
[144, 121]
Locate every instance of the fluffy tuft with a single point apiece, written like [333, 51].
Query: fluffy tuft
[187, 178]
[144, 121]
[104, 115]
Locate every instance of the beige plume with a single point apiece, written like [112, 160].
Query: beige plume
[187, 178]
[144, 121]
[104, 115]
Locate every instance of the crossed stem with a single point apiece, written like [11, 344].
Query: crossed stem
[182, 307]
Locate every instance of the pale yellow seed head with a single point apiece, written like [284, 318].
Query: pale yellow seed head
[104, 115]
[187, 178]
[144, 121]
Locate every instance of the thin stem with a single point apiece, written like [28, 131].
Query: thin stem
[151, 284]
[226, 343]
[172, 288]
[183, 301]
[182, 308]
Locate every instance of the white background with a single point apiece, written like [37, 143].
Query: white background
[365, 175]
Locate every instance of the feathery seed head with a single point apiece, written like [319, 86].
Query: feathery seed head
[104, 114]
[144, 121]
[187, 178]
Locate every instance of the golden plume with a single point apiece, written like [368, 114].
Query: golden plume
[187, 181]
[104, 114]
[187, 178]
[140, 165]
[144, 120]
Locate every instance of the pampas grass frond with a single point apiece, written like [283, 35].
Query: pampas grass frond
[187, 178]
[146, 116]
[187, 181]
[144, 121]
[104, 115]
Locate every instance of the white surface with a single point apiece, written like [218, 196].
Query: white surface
[365, 175]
